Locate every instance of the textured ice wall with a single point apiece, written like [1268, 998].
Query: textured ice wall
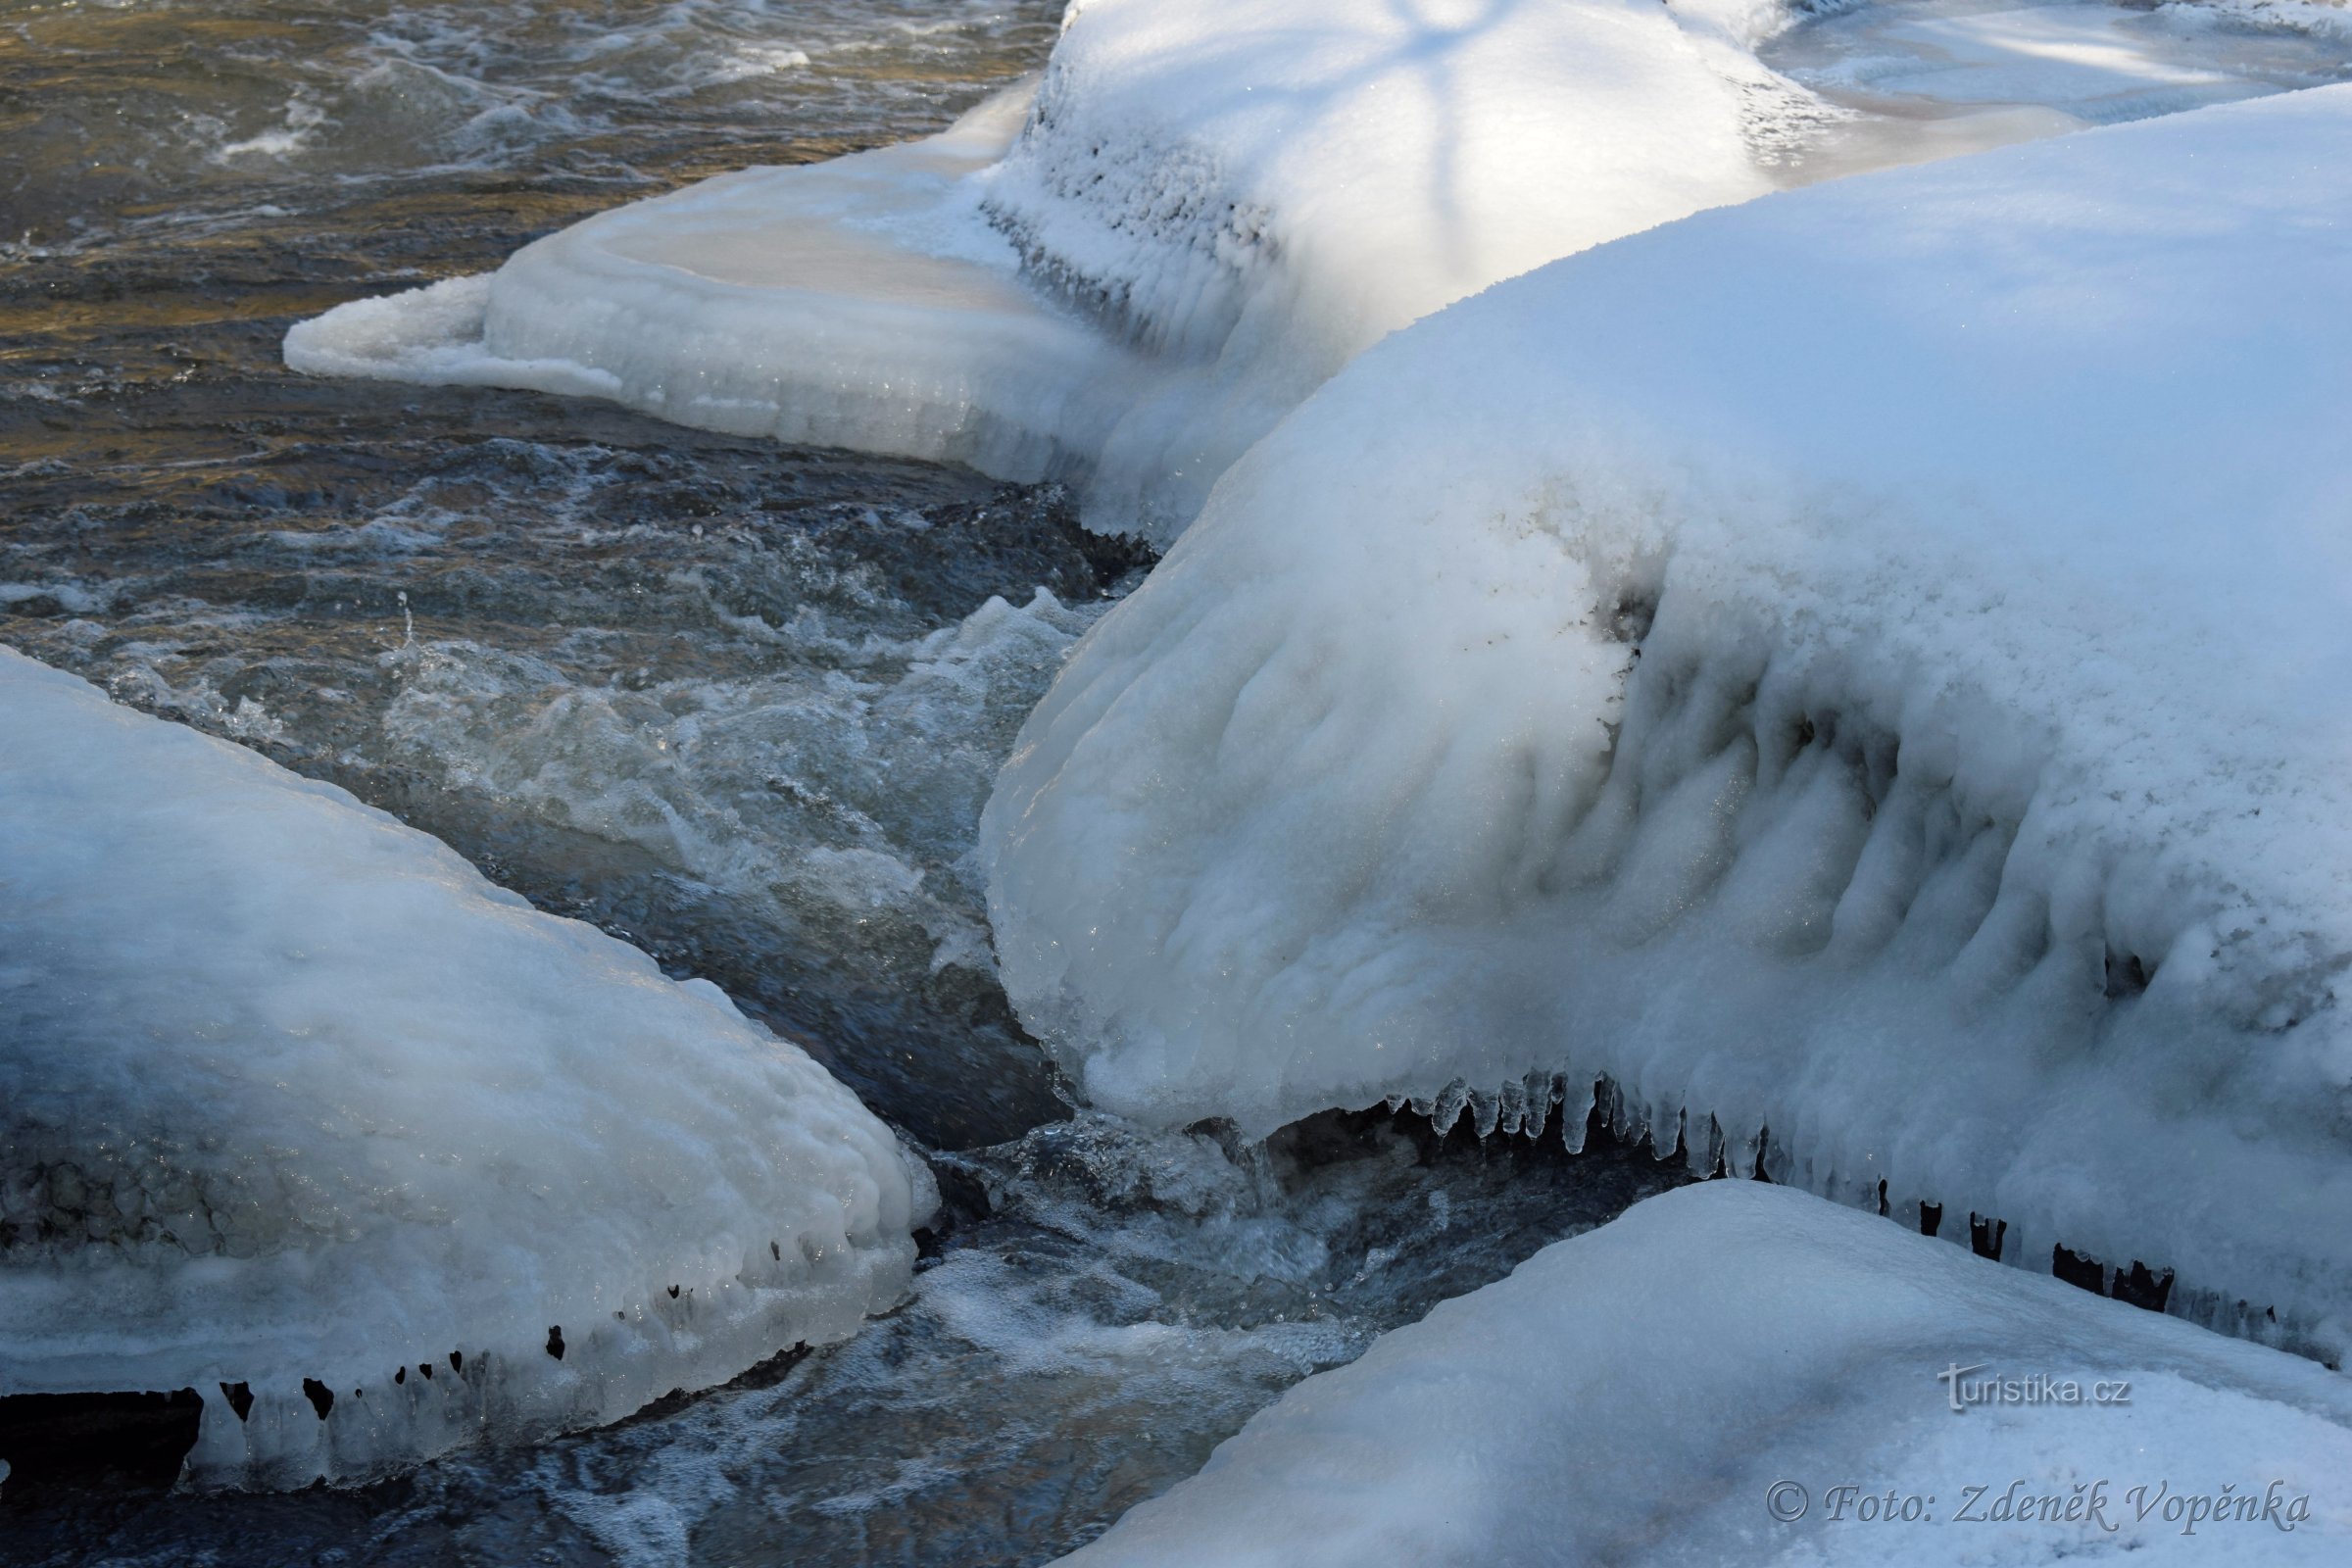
[1635, 1396]
[291, 1099]
[1867, 665]
[1205, 214]
[1251, 197]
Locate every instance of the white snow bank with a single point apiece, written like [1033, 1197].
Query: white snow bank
[1868, 665]
[1206, 213]
[288, 1092]
[1647, 1393]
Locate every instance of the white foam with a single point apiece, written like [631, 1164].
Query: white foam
[1973, 814]
[1646, 1394]
[291, 1092]
[836, 789]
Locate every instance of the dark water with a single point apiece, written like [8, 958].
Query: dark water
[738, 703]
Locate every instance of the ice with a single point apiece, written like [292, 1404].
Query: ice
[1860, 673]
[1127, 271]
[295, 1100]
[1930, 78]
[1635, 1396]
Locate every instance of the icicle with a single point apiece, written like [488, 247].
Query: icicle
[1666, 1131]
[1511, 1113]
[1741, 1148]
[1576, 1114]
[1545, 1090]
[1616, 1110]
[1448, 1109]
[1486, 1112]
[1705, 1151]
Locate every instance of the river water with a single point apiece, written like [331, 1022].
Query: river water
[738, 703]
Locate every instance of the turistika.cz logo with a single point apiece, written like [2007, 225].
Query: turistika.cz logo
[2037, 1387]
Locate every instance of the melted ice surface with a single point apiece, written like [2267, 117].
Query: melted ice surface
[289, 1092]
[1633, 1395]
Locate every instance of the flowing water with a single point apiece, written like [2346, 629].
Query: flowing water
[738, 703]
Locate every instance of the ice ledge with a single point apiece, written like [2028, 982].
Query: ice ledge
[300, 1112]
[1865, 664]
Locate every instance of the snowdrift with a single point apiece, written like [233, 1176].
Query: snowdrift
[1128, 272]
[1652, 1392]
[300, 1112]
[1862, 673]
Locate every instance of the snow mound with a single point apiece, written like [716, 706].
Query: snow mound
[299, 1112]
[1862, 673]
[1133, 268]
[1652, 1392]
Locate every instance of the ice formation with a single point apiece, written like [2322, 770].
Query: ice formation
[1200, 214]
[1650, 1392]
[1928, 78]
[300, 1112]
[1861, 672]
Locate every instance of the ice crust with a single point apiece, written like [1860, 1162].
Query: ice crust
[1631, 1395]
[1128, 272]
[290, 1093]
[1864, 668]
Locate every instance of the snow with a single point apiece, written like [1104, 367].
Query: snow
[1129, 270]
[1860, 673]
[1635, 1395]
[292, 1093]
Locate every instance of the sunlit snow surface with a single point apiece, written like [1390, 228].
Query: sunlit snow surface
[1635, 1396]
[1863, 668]
[290, 1093]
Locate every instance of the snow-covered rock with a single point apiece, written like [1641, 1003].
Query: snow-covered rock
[1864, 671]
[1736, 1373]
[292, 1100]
[1130, 271]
